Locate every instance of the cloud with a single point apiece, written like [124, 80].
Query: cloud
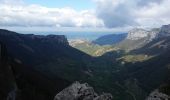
[36, 15]
[120, 14]
[155, 14]
[115, 13]
[124, 13]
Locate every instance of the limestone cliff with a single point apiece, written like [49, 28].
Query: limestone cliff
[138, 33]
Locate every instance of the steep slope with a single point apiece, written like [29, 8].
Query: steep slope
[110, 39]
[49, 54]
[8, 87]
[160, 44]
[18, 82]
[151, 73]
[155, 47]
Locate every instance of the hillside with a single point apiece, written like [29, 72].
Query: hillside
[91, 48]
[21, 82]
[49, 63]
[37, 50]
[110, 39]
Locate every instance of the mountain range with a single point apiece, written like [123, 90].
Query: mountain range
[38, 66]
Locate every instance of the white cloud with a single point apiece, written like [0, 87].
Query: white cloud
[36, 15]
[118, 14]
[124, 13]
[155, 14]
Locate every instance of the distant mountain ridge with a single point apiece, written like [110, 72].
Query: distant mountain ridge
[138, 37]
[110, 39]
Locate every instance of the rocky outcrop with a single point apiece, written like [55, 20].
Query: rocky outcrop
[79, 91]
[138, 33]
[156, 95]
[137, 38]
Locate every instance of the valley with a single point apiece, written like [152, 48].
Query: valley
[130, 68]
[133, 57]
[84, 50]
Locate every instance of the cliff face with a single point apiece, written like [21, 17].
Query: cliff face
[137, 34]
[138, 37]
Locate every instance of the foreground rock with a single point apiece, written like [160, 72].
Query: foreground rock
[79, 91]
[157, 95]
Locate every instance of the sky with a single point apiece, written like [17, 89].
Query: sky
[75, 4]
[83, 15]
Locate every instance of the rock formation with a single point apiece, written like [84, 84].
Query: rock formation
[138, 33]
[156, 95]
[79, 91]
